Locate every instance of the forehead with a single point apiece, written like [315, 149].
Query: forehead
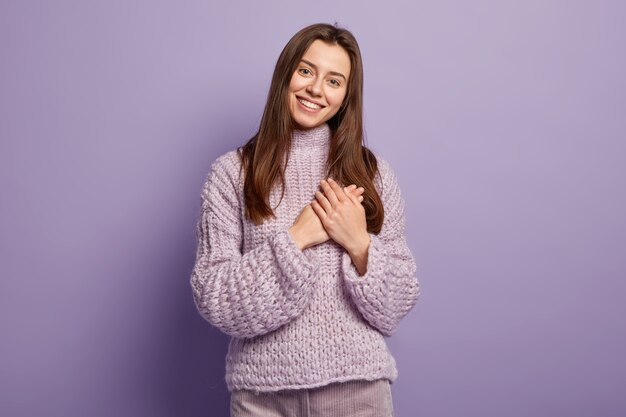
[328, 57]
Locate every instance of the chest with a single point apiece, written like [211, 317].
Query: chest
[303, 173]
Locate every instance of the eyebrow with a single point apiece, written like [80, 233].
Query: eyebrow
[330, 72]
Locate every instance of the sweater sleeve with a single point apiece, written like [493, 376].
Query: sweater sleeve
[389, 289]
[245, 295]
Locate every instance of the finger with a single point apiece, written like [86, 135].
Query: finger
[329, 192]
[354, 195]
[349, 188]
[337, 189]
[356, 191]
[355, 198]
[323, 202]
[318, 210]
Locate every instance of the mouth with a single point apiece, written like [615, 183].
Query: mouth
[308, 104]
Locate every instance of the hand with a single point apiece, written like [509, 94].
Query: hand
[343, 217]
[307, 230]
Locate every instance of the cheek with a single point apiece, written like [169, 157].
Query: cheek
[297, 83]
[336, 99]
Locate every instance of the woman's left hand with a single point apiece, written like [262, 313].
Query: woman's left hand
[343, 217]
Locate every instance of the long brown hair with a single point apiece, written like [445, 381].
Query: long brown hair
[349, 161]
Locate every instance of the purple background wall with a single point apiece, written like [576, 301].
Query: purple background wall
[504, 120]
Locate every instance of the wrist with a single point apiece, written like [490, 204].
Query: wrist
[296, 237]
[360, 247]
[359, 254]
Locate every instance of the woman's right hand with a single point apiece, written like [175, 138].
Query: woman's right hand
[307, 230]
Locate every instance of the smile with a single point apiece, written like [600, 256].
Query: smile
[309, 104]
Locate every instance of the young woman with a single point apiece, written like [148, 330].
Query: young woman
[302, 256]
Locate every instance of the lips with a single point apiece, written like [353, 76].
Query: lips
[309, 104]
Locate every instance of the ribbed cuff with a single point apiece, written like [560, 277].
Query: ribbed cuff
[297, 265]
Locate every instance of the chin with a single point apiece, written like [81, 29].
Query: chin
[307, 123]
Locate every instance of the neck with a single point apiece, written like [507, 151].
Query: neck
[318, 136]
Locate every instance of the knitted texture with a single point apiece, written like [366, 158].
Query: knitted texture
[299, 319]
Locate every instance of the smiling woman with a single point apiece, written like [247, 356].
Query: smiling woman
[308, 274]
[318, 87]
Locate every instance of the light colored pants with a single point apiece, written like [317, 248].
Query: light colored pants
[342, 399]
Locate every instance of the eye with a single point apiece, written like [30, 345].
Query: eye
[335, 82]
[304, 71]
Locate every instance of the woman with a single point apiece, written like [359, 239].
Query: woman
[306, 275]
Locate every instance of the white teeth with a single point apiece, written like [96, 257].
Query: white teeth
[309, 104]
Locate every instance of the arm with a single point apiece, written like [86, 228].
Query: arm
[245, 295]
[389, 288]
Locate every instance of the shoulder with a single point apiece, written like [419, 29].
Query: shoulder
[228, 163]
[224, 178]
[385, 178]
[390, 195]
[225, 168]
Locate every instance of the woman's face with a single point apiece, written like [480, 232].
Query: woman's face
[319, 84]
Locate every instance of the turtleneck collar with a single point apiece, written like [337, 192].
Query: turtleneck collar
[318, 136]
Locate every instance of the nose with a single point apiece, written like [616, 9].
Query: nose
[314, 87]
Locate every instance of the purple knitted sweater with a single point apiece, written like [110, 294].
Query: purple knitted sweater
[299, 319]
